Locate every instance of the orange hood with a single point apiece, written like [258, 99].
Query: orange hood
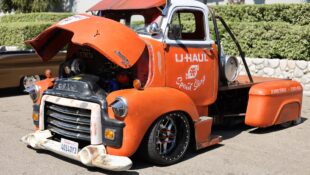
[114, 40]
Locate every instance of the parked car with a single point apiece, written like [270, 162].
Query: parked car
[23, 68]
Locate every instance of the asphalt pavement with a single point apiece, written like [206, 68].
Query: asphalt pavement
[244, 150]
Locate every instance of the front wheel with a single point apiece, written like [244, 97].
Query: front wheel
[168, 139]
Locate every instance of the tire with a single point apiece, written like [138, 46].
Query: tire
[28, 81]
[291, 123]
[167, 140]
[297, 121]
[286, 124]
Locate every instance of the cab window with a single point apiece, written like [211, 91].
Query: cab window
[137, 22]
[187, 25]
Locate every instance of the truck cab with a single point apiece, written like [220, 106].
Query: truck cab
[145, 76]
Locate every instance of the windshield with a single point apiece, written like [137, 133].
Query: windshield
[138, 20]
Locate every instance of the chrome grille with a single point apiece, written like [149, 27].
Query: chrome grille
[66, 121]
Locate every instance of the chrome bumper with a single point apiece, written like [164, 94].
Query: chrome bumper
[92, 155]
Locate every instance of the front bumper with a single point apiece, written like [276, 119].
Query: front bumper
[92, 155]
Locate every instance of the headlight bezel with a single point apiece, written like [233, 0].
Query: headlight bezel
[34, 92]
[120, 107]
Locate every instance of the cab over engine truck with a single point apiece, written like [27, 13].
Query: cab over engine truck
[146, 76]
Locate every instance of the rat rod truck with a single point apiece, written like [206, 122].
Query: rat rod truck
[153, 87]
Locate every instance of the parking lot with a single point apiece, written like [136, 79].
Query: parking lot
[244, 150]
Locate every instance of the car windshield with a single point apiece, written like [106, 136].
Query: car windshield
[138, 20]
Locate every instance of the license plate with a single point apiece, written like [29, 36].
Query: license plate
[69, 146]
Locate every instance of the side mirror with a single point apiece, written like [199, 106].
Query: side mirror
[154, 29]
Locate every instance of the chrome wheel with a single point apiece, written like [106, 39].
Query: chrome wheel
[167, 140]
[166, 136]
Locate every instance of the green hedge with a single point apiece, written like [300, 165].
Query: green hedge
[291, 13]
[17, 28]
[266, 31]
[14, 34]
[34, 17]
[269, 40]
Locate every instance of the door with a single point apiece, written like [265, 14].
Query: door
[191, 59]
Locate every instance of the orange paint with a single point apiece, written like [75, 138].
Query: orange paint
[91, 31]
[172, 77]
[273, 103]
[144, 107]
[43, 86]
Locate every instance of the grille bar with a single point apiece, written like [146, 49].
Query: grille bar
[69, 134]
[67, 121]
[70, 110]
[67, 126]
[67, 118]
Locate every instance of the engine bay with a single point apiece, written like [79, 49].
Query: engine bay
[111, 77]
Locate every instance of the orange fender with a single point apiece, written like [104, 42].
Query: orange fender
[144, 107]
[272, 103]
[44, 85]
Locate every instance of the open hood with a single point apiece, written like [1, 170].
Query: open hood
[127, 4]
[115, 41]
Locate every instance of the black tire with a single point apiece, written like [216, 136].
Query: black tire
[286, 124]
[167, 140]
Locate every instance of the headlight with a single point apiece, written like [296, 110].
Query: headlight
[34, 92]
[231, 68]
[120, 107]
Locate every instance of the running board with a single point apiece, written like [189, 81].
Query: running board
[214, 139]
[203, 135]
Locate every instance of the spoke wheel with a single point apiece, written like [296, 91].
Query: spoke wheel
[167, 140]
[166, 136]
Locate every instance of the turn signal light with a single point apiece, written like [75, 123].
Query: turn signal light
[35, 116]
[109, 134]
[137, 84]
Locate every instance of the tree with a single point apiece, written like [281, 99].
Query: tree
[6, 5]
[27, 6]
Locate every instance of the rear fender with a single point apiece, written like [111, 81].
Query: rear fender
[289, 111]
[145, 107]
[272, 103]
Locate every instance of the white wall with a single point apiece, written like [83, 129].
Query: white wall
[81, 6]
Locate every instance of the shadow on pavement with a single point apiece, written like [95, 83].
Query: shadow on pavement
[275, 128]
[230, 132]
[9, 92]
[139, 163]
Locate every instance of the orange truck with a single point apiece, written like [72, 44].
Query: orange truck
[145, 76]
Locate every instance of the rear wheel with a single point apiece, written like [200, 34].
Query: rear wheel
[168, 139]
[290, 123]
[286, 124]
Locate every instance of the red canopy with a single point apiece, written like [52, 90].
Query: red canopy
[127, 4]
